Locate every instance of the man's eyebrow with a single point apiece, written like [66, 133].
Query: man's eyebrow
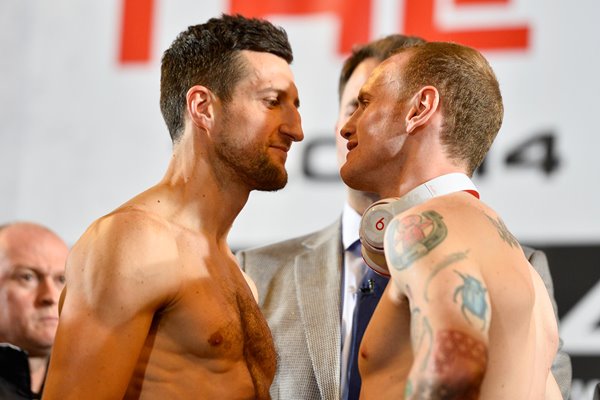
[23, 266]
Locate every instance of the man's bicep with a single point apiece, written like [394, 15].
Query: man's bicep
[93, 355]
[449, 303]
[450, 318]
[450, 298]
[110, 300]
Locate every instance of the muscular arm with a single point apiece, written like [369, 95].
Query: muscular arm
[117, 277]
[449, 305]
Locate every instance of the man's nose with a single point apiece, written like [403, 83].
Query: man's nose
[48, 291]
[347, 130]
[292, 125]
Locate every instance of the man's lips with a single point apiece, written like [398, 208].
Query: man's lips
[280, 146]
[48, 319]
[351, 145]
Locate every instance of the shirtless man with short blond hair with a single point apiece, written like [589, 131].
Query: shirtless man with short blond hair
[465, 316]
[155, 305]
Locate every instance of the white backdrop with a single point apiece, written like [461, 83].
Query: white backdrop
[81, 130]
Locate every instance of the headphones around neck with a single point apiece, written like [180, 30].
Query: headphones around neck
[378, 215]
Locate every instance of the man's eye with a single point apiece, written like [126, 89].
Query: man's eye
[26, 277]
[272, 102]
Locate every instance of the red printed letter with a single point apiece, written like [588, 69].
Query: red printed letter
[136, 31]
[354, 15]
[419, 20]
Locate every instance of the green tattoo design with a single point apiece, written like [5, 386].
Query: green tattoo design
[416, 235]
[408, 388]
[424, 331]
[503, 231]
[473, 298]
[449, 260]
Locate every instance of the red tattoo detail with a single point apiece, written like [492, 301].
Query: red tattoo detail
[413, 229]
[453, 348]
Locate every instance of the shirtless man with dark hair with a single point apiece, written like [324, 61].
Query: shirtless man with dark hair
[155, 304]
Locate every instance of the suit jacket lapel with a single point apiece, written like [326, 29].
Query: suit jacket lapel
[318, 290]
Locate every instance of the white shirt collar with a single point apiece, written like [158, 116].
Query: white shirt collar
[350, 226]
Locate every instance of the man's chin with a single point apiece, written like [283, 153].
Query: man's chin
[271, 182]
[40, 346]
[350, 178]
[272, 186]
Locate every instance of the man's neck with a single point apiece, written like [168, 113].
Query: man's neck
[37, 372]
[359, 200]
[195, 189]
[405, 184]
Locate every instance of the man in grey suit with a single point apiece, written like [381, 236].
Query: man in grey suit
[307, 285]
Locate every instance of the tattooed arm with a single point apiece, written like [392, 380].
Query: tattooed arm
[450, 307]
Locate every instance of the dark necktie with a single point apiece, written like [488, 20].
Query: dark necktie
[368, 295]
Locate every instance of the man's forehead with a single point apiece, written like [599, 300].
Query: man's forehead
[384, 75]
[31, 245]
[263, 66]
[358, 78]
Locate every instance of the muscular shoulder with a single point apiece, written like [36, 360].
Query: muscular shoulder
[126, 256]
[128, 235]
[446, 227]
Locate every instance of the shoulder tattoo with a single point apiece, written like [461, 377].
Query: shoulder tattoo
[503, 231]
[413, 237]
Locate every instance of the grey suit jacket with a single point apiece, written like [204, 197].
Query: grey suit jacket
[299, 283]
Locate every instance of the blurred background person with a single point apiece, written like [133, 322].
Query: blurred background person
[32, 275]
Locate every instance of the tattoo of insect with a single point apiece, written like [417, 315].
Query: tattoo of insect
[503, 231]
[413, 237]
[473, 298]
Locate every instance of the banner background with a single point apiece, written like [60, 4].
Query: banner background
[81, 130]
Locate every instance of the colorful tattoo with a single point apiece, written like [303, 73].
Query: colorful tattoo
[449, 260]
[413, 237]
[473, 298]
[459, 363]
[503, 231]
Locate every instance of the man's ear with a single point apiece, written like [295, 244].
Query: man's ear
[423, 106]
[200, 106]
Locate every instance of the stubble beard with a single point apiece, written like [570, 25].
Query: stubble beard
[252, 165]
